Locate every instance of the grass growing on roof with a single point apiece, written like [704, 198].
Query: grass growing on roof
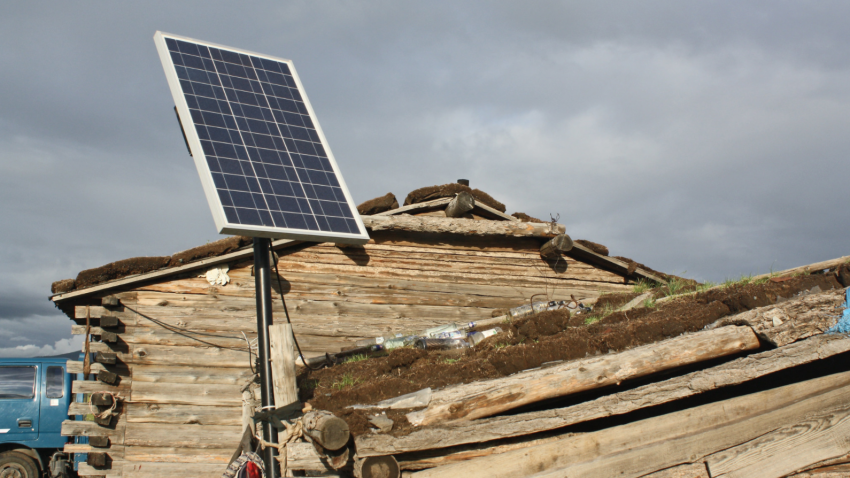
[642, 285]
[675, 286]
[356, 358]
[345, 381]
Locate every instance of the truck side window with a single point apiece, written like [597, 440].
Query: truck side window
[55, 382]
[17, 382]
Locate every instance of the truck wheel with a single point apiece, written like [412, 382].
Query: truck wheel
[17, 465]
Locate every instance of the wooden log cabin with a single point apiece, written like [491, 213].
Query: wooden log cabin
[179, 326]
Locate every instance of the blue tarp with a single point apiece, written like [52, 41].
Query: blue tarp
[843, 325]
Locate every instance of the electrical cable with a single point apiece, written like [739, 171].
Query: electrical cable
[286, 311]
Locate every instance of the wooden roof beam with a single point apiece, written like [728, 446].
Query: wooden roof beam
[469, 227]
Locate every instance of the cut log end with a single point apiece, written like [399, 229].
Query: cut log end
[460, 205]
[377, 467]
[328, 430]
[556, 246]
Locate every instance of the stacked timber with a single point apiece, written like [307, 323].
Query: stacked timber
[780, 427]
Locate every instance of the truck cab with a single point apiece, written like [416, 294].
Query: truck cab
[35, 394]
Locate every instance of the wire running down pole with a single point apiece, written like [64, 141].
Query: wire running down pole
[263, 285]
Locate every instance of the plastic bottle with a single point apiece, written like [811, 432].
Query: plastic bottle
[476, 337]
[441, 344]
[397, 342]
[376, 340]
[447, 328]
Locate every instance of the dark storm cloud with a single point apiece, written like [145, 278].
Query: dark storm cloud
[704, 137]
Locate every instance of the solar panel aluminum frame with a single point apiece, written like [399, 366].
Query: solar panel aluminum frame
[216, 207]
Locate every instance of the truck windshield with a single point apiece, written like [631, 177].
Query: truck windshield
[17, 382]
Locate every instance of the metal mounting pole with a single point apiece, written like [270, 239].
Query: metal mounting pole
[263, 285]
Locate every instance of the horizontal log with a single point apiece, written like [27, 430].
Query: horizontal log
[652, 444]
[178, 455]
[489, 397]
[792, 320]
[76, 366]
[731, 373]
[303, 456]
[182, 436]
[436, 225]
[814, 267]
[788, 448]
[114, 451]
[91, 386]
[114, 471]
[188, 393]
[194, 414]
[83, 428]
[690, 470]
[431, 459]
[191, 375]
[172, 470]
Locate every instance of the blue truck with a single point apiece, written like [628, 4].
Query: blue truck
[34, 397]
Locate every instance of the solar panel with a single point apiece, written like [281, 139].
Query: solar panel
[264, 162]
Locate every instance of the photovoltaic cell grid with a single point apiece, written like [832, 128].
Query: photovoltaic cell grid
[267, 162]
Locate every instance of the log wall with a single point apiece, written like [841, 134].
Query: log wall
[181, 392]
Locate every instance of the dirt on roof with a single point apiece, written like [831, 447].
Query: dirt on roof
[525, 217]
[212, 249]
[533, 341]
[141, 265]
[593, 246]
[430, 193]
[378, 205]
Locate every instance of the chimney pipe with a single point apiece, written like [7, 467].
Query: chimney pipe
[465, 182]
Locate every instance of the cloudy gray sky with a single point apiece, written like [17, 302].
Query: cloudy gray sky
[707, 138]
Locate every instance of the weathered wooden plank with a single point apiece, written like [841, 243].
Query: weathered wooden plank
[489, 397]
[208, 394]
[328, 308]
[173, 470]
[75, 366]
[652, 444]
[92, 386]
[178, 455]
[732, 373]
[833, 471]
[282, 357]
[425, 460]
[690, 470]
[815, 267]
[586, 254]
[303, 456]
[114, 471]
[462, 226]
[191, 375]
[789, 448]
[83, 428]
[422, 206]
[114, 451]
[792, 320]
[194, 414]
[182, 436]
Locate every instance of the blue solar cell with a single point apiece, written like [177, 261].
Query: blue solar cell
[268, 163]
